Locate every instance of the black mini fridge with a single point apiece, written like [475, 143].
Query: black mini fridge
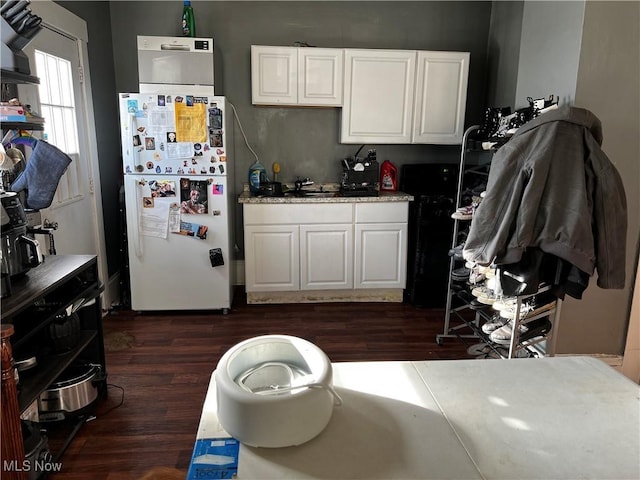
[434, 188]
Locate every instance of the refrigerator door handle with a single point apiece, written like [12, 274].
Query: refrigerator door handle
[132, 160]
[135, 234]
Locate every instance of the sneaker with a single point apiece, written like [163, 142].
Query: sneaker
[488, 298]
[463, 213]
[493, 324]
[530, 308]
[475, 277]
[481, 290]
[461, 274]
[504, 302]
[526, 331]
[456, 252]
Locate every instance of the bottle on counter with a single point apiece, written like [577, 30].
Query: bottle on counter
[388, 177]
[188, 20]
[257, 175]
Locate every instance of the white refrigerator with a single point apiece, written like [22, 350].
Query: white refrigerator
[176, 151]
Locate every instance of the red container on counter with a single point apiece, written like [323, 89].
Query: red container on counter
[388, 177]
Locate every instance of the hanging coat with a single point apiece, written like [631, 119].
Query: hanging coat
[551, 186]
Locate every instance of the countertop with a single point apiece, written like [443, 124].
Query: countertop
[560, 418]
[247, 197]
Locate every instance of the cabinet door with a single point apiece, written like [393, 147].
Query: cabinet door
[381, 255]
[378, 96]
[274, 77]
[326, 257]
[320, 76]
[441, 97]
[272, 257]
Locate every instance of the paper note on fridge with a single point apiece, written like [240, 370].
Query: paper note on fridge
[154, 218]
[191, 122]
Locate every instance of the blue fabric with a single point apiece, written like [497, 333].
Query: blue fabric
[40, 178]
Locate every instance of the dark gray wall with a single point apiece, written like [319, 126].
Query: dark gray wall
[305, 140]
[101, 67]
[503, 53]
[587, 53]
[549, 63]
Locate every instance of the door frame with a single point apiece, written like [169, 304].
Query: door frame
[61, 20]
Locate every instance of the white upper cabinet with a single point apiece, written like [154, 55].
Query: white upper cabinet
[296, 76]
[404, 96]
[441, 96]
[378, 96]
[274, 78]
[320, 76]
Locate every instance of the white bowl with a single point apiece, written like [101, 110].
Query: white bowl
[274, 391]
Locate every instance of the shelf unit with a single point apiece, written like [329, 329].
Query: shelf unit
[539, 346]
[37, 299]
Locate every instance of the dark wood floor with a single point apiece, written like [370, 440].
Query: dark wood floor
[166, 370]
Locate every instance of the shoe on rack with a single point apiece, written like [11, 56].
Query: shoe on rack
[530, 307]
[464, 213]
[493, 324]
[504, 302]
[526, 331]
[461, 274]
[476, 305]
[481, 290]
[456, 252]
[475, 277]
[486, 295]
[491, 121]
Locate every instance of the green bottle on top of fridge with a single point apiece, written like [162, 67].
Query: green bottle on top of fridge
[188, 20]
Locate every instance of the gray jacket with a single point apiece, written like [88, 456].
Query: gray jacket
[551, 186]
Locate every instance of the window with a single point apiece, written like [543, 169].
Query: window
[58, 109]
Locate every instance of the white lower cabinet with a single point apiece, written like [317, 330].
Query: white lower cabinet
[381, 245]
[313, 247]
[326, 257]
[273, 254]
[382, 255]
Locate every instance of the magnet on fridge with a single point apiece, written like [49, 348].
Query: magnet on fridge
[150, 165]
[221, 169]
[212, 169]
[215, 256]
[139, 168]
[132, 106]
[203, 171]
[216, 213]
[223, 158]
[158, 169]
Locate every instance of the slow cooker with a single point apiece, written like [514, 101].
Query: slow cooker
[71, 394]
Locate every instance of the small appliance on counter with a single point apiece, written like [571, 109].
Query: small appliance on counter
[360, 175]
[20, 252]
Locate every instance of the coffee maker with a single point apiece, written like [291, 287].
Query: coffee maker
[360, 176]
[20, 252]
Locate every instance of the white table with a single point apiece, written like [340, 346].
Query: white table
[543, 418]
